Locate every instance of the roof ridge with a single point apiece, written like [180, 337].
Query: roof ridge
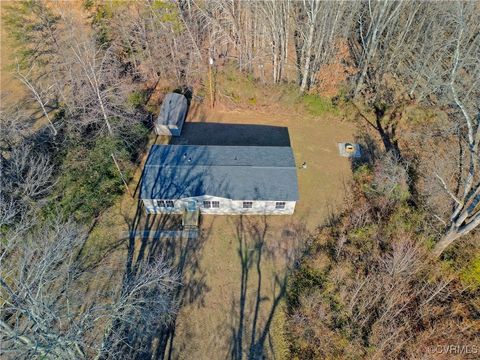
[246, 146]
[233, 165]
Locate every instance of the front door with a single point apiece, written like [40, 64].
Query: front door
[192, 205]
[190, 217]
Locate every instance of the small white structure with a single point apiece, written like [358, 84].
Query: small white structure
[349, 150]
[172, 115]
[221, 180]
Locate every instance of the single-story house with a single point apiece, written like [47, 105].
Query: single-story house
[220, 179]
[172, 115]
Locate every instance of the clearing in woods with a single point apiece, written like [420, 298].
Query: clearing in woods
[243, 259]
[234, 274]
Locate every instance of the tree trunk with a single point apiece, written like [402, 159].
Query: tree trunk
[306, 67]
[451, 235]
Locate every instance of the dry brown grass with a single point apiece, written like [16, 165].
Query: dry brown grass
[233, 282]
[208, 324]
[208, 328]
[10, 87]
[233, 298]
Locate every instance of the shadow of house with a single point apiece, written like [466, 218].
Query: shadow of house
[206, 133]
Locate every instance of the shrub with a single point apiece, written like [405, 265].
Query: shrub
[471, 274]
[89, 180]
[381, 295]
[137, 99]
[391, 178]
[305, 279]
[317, 105]
[133, 139]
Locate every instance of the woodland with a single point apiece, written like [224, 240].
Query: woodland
[395, 273]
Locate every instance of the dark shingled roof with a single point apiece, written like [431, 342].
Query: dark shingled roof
[232, 172]
[173, 111]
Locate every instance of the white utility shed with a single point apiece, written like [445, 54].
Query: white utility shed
[172, 115]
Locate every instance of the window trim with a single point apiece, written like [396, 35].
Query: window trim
[280, 205]
[247, 204]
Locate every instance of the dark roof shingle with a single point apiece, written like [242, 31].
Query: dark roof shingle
[233, 172]
[173, 110]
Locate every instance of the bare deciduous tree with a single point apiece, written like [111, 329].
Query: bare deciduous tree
[44, 313]
[320, 27]
[36, 312]
[41, 96]
[26, 176]
[391, 177]
[277, 21]
[13, 127]
[95, 88]
[465, 214]
[438, 65]
[450, 78]
[374, 19]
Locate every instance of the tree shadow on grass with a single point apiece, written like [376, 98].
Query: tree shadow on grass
[185, 255]
[154, 236]
[253, 311]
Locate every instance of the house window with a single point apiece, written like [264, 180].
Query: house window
[169, 203]
[159, 203]
[207, 204]
[247, 204]
[215, 204]
[280, 205]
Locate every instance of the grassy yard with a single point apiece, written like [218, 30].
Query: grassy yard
[11, 87]
[234, 275]
[243, 259]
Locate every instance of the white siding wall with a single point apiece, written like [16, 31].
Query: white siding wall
[227, 207]
[150, 208]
